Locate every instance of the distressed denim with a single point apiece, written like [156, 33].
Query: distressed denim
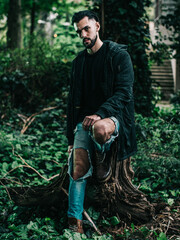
[76, 197]
[106, 146]
[84, 139]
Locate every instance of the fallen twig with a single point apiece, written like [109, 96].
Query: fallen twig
[28, 120]
[13, 170]
[6, 191]
[168, 226]
[10, 180]
[28, 166]
[172, 236]
[156, 155]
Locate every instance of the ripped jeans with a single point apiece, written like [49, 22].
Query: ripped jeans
[84, 139]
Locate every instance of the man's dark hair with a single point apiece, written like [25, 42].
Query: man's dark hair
[86, 13]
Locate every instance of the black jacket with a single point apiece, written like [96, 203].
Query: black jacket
[118, 89]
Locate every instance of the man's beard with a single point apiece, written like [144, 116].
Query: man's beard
[91, 44]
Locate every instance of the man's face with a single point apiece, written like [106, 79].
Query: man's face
[87, 29]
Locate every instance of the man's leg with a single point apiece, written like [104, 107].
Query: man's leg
[79, 169]
[103, 134]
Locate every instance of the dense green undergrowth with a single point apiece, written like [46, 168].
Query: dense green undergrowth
[33, 76]
[37, 155]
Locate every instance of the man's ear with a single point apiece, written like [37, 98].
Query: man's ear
[97, 26]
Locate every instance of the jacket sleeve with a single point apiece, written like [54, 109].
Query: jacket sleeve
[123, 87]
[69, 130]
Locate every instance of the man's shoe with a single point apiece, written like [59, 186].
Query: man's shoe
[75, 225]
[102, 167]
[100, 157]
[103, 172]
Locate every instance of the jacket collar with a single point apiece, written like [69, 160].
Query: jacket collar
[113, 48]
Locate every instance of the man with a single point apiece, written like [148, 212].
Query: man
[100, 110]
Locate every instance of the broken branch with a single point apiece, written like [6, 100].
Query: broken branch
[28, 120]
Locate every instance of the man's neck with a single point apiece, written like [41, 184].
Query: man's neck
[96, 47]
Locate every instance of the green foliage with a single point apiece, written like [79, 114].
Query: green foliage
[162, 50]
[114, 221]
[32, 77]
[126, 23]
[44, 146]
[3, 8]
[171, 22]
[93, 214]
[157, 162]
[175, 98]
[36, 75]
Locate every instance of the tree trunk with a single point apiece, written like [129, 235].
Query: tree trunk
[33, 10]
[117, 197]
[102, 19]
[14, 23]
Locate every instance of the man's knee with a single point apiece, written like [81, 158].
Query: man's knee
[81, 163]
[100, 132]
[103, 129]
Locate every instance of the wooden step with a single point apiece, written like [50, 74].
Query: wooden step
[161, 76]
[163, 69]
[162, 80]
[164, 89]
[165, 63]
[161, 73]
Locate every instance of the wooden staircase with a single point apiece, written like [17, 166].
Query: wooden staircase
[162, 77]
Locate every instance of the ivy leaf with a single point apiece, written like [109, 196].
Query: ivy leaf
[105, 223]
[69, 235]
[162, 236]
[93, 214]
[18, 147]
[4, 166]
[170, 201]
[122, 11]
[133, 4]
[15, 164]
[132, 226]
[114, 221]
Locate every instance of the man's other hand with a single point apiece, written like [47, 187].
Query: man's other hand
[70, 147]
[89, 121]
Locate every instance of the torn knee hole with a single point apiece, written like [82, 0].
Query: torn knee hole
[78, 174]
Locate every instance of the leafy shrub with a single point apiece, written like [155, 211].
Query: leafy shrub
[175, 98]
[157, 161]
[32, 77]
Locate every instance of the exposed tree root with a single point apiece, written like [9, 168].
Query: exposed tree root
[118, 196]
[48, 195]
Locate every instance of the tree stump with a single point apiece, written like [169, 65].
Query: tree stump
[118, 196]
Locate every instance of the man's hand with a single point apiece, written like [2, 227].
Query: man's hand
[89, 121]
[70, 147]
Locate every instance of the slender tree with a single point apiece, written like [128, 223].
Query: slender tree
[33, 10]
[14, 23]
